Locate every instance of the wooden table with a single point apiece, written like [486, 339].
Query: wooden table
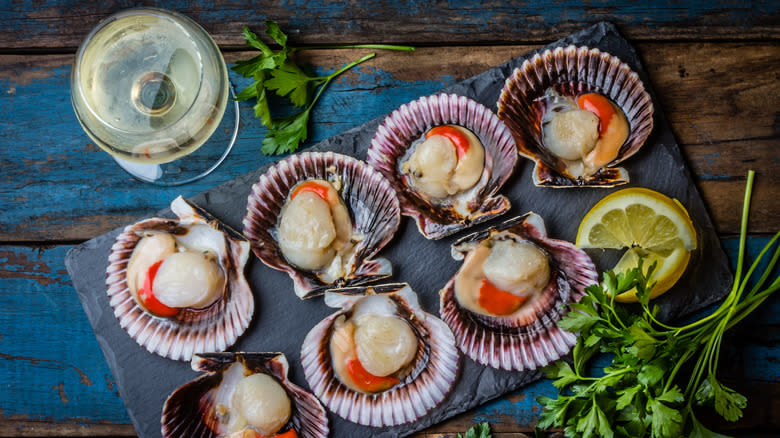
[714, 69]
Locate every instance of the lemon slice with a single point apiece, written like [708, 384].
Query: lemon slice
[649, 224]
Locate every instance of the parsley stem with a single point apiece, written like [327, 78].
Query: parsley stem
[743, 225]
[747, 307]
[330, 77]
[687, 355]
[768, 269]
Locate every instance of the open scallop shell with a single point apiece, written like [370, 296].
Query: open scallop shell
[573, 71]
[434, 368]
[191, 410]
[410, 122]
[371, 201]
[214, 328]
[530, 339]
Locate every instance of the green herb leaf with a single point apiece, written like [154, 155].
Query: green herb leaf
[699, 431]
[290, 81]
[672, 395]
[650, 374]
[579, 321]
[595, 424]
[480, 431]
[626, 397]
[287, 134]
[273, 30]
[252, 39]
[728, 403]
[562, 372]
[667, 421]
[583, 352]
[644, 345]
[276, 71]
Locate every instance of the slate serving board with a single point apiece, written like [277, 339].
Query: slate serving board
[282, 321]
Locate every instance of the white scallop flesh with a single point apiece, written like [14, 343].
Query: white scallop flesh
[188, 279]
[262, 402]
[571, 134]
[149, 250]
[470, 166]
[520, 268]
[306, 231]
[432, 165]
[384, 344]
[203, 238]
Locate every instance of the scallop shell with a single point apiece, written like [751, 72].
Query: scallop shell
[402, 127]
[371, 201]
[435, 367]
[214, 328]
[573, 71]
[190, 411]
[529, 340]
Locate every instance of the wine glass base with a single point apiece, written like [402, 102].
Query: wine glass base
[197, 164]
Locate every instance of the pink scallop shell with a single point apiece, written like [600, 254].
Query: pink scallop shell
[402, 127]
[532, 338]
[434, 372]
[371, 201]
[573, 71]
[191, 331]
[189, 412]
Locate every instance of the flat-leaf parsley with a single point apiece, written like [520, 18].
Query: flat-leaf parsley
[639, 394]
[276, 71]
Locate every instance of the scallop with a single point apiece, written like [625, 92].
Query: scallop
[513, 287]
[577, 112]
[242, 394]
[321, 218]
[177, 286]
[447, 156]
[380, 360]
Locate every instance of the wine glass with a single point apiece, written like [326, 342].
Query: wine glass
[150, 87]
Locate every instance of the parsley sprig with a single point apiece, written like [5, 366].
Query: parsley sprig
[644, 391]
[276, 71]
[481, 430]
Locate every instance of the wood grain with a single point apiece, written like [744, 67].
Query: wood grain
[56, 383]
[724, 113]
[63, 24]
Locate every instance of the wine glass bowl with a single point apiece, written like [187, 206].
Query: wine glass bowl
[150, 87]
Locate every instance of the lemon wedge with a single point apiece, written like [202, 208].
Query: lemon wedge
[650, 225]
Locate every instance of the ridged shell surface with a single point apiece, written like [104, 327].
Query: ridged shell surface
[396, 135]
[532, 339]
[214, 328]
[191, 411]
[371, 201]
[435, 367]
[573, 71]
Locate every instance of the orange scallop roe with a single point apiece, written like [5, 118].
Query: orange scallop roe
[613, 128]
[497, 301]
[458, 139]
[311, 186]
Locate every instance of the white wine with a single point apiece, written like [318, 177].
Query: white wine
[149, 87]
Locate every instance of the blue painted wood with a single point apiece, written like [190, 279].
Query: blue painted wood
[64, 23]
[48, 182]
[51, 367]
[55, 184]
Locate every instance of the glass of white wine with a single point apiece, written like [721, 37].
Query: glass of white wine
[150, 87]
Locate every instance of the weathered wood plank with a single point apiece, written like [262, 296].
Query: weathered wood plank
[63, 24]
[51, 368]
[56, 383]
[44, 147]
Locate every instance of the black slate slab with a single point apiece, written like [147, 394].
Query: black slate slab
[282, 321]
